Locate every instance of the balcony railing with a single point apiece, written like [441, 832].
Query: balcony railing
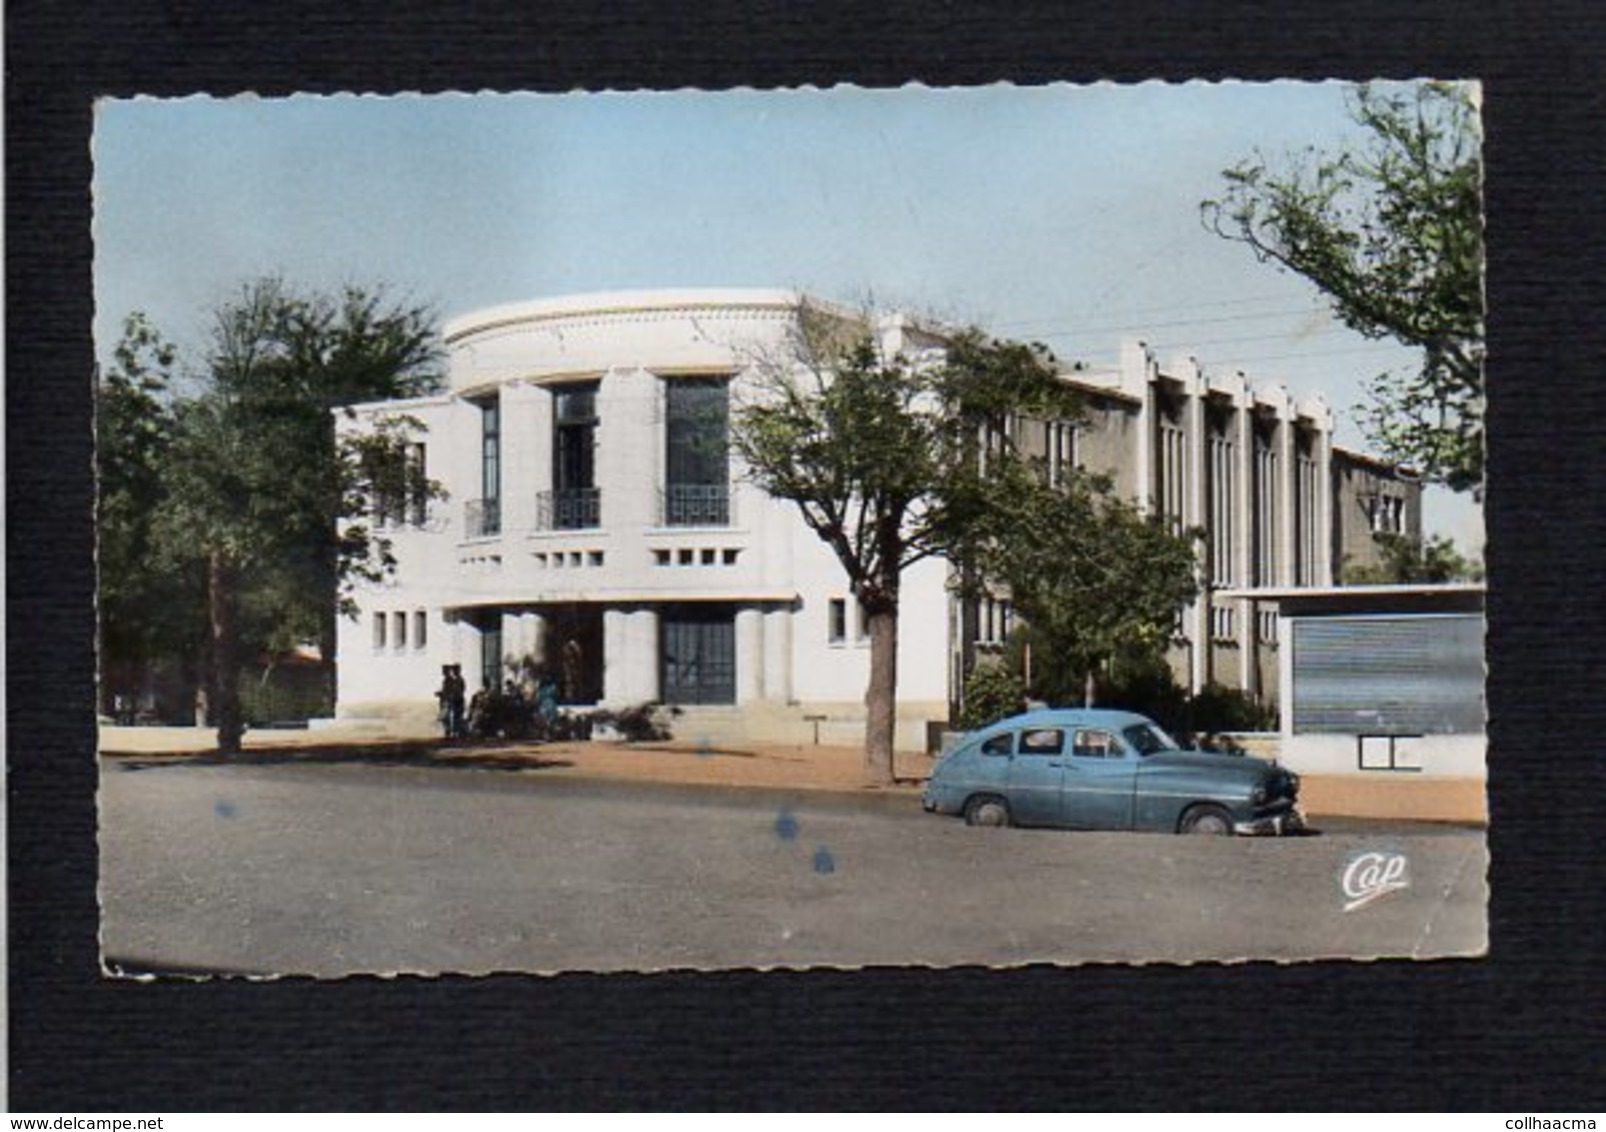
[570, 509]
[482, 518]
[695, 505]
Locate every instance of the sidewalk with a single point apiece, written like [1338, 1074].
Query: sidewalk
[753, 765]
[771, 766]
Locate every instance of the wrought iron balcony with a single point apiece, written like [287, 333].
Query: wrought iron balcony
[571, 509]
[482, 518]
[695, 505]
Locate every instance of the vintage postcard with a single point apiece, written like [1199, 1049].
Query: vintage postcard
[793, 528]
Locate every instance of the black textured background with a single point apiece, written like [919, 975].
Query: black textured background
[1521, 1031]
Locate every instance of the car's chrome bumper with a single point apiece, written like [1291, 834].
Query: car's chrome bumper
[1272, 825]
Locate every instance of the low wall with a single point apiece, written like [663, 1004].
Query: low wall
[1432, 777]
[1409, 798]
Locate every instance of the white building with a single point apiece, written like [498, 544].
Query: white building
[597, 527]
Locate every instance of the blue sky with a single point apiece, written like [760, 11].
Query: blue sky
[1063, 214]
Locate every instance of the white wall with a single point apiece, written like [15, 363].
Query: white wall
[629, 343]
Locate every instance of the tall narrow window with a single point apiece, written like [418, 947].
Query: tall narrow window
[485, 513]
[1223, 517]
[491, 651]
[1062, 455]
[1265, 500]
[837, 628]
[1171, 459]
[1307, 545]
[380, 625]
[697, 479]
[575, 502]
[420, 628]
[417, 486]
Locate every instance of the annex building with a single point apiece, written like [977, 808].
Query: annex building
[598, 529]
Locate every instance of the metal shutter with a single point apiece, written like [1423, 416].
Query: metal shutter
[1419, 675]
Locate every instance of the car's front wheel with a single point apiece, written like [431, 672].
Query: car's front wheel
[1206, 819]
[986, 810]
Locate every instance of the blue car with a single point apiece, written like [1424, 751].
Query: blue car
[1101, 769]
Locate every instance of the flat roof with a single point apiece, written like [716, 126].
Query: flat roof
[1449, 597]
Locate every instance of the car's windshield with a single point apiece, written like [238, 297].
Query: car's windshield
[1147, 739]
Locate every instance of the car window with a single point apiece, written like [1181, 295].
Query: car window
[1000, 744]
[1042, 741]
[1148, 739]
[1092, 743]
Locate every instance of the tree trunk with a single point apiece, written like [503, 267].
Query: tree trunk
[223, 603]
[881, 694]
[1090, 688]
[203, 683]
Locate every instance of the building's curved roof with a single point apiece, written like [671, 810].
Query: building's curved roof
[624, 302]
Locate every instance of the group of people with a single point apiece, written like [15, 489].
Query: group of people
[508, 711]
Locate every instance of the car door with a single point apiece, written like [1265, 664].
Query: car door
[1100, 781]
[1034, 775]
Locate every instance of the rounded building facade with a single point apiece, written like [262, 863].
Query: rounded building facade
[598, 529]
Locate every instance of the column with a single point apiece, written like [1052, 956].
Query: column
[1288, 495]
[642, 640]
[778, 654]
[1196, 514]
[749, 655]
[528, 642]
[628, 457]
[1137, 380]
[1327, 539]
[1243, 549]
[630, 656]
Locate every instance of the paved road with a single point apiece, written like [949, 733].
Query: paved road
[335, 869]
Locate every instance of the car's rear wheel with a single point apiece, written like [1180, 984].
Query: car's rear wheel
[986, 810]
[1206, 819]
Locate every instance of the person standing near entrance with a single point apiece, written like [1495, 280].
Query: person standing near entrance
[452, 694]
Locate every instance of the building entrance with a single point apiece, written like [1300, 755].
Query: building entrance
[573, 651]
[699, 654]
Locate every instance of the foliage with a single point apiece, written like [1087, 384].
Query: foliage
[640, 723]
[1393, 235]
[255, 481]
[1409, 561]
[1094, 578]
[148, 606]
[993, 691]
[1218, 709]
[881, 455]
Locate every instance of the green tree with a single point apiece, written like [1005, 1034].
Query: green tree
[1392, 234]
[259, 481]
[1094, 578]
[1409, 561]
[993, 691]
[884, 458]
[147, 607]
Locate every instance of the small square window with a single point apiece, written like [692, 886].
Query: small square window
[594, 557]
[730, 556]
[708, 556]
[687, 557]
[660, 557]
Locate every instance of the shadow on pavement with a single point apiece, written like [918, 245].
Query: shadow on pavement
[396, 753]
